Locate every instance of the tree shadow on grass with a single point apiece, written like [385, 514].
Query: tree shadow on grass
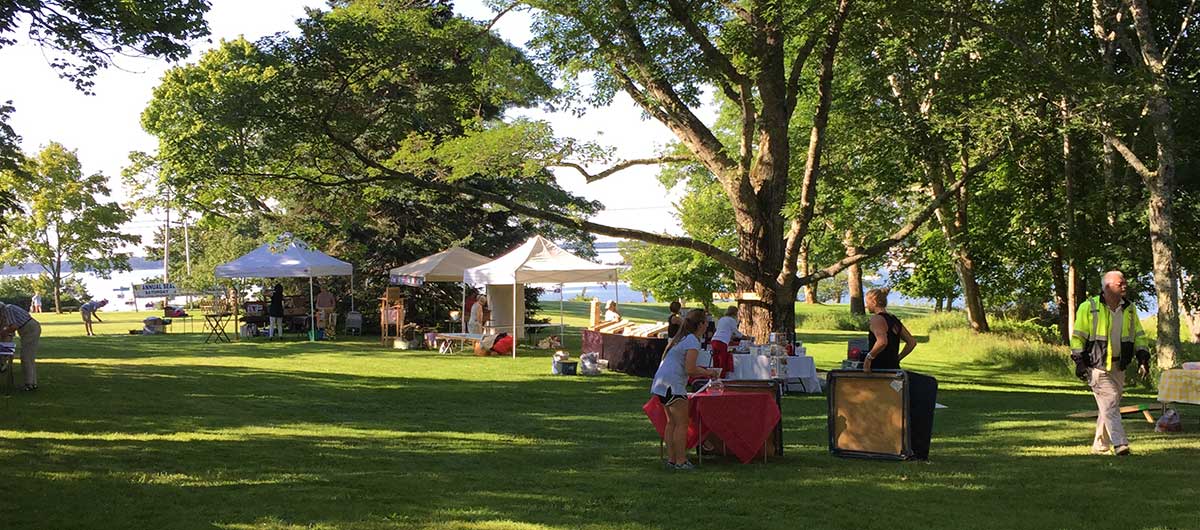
[141, 445]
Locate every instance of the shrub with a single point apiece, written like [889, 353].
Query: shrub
[838, 321]
[1029, 330]
[1027, 356]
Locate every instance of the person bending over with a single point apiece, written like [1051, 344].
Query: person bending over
[14, 320]
[670, 384]
[88, 312]
[886, 333]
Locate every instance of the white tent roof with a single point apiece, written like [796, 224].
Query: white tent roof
[445, 266]
[539, 261]
[284, 260]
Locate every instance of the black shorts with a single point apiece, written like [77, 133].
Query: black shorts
[669, 398]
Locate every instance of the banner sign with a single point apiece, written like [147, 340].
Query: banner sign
[414, 281]
[155, 290]
[168, 290]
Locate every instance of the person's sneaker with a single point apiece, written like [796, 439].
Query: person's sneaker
[687, 465]
[29, 388]
[1105, 451]
[1122, 450]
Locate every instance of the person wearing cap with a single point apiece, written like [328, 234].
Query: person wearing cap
[13, 319]
[497, 344]
[88, 312]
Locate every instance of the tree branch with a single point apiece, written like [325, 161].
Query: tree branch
[590, 178]
[1183, 26]
[678, 117]
[904, 231]
[715, 59]
[499, 15]
[721, 256]
[812, 169]
[793, 83]
[1130, 157]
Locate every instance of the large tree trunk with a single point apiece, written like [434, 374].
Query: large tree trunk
[1065, 309]
[1160, 182]
[953, 223]
[772, 312]
[854, 277]
[810, 289]
[57, 277]
[1162, 245]
[855, 281]
[1067, 297]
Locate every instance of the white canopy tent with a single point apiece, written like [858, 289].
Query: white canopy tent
[537, 261]
[291, 259]
[445, 266]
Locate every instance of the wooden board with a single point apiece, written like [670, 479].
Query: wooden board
[868, 416]
[1129, 409]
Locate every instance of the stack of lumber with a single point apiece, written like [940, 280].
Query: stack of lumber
[631, 329]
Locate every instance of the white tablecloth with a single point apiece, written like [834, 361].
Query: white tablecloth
[800, 372]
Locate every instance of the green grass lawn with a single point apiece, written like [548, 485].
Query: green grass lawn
[169, 432]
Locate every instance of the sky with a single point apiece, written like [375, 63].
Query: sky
[105, 127]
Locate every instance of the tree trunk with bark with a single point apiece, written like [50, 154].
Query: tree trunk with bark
[1151, 61]
[854, 277]
[810, 288]
[1065, 310]
[953, 223]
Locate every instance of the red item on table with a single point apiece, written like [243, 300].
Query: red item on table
[743, 420]
[721, 358]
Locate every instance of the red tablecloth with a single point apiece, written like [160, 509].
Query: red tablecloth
[743, 420]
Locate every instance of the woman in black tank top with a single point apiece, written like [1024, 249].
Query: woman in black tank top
[886, 333]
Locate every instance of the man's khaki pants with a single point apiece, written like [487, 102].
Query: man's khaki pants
[30, 334]
[1107, 387]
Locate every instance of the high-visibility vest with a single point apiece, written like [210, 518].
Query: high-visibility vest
[1092, 323]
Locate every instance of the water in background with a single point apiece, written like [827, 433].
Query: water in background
[603, 291]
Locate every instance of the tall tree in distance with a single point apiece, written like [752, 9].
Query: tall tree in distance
[64, 221]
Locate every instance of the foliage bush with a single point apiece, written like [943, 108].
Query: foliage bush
[1029, 330]
[1023, 355]
[839, 321]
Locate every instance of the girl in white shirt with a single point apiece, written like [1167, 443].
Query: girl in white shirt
[726, 332]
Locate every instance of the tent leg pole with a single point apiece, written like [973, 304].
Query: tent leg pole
[562, 335]
[466, 311]
[516, 338]
[312, 312]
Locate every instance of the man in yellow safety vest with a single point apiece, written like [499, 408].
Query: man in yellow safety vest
[1107, 337]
